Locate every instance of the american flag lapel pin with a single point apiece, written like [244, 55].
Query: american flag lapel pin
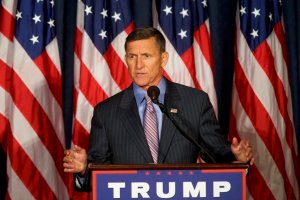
[173, 110]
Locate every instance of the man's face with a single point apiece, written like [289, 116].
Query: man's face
[145, 62]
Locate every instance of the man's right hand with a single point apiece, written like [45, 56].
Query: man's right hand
[75, 160]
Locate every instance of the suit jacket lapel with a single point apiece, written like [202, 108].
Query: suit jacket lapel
[131, 120]
[172, 100]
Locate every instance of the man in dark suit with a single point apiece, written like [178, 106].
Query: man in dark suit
[118, 136]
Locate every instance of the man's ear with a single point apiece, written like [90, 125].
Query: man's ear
[164, 58]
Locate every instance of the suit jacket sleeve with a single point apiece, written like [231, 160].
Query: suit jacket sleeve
[99, 150]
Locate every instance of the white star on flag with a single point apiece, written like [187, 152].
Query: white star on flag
[34, 39]
[271, 17]
[243, 10]
[168, 10]
[51, 23]
[254, 33]
[182, 34]
[102, 34]
[104, 13]
[184, 12]
[19, 15]
[52, 3]
[256, 12]
[36, 18]
[116, 16]
[204, 2]
[88, 10]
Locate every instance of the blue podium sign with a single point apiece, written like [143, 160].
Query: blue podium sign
[169, 184]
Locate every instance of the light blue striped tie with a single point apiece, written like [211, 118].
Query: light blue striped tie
[150, 128]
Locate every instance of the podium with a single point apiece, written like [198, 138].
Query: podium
[169, 181]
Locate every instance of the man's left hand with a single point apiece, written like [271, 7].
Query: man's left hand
[242, 151]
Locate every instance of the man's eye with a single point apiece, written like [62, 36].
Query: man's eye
[130, 56]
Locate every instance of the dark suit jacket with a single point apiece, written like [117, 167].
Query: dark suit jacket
[117, 135]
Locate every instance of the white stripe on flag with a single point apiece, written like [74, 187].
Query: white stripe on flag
[76, 71]
[6, 50]
[207, 25]
[52, 52]
[80, 15]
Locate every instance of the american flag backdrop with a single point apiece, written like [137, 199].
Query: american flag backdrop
[185, 25]
[261, 101]
[100, 70]
[31, 122]
[99, 67]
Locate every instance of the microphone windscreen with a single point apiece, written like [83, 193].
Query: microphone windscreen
[153, 92]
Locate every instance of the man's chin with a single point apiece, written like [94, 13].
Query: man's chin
[142, 85]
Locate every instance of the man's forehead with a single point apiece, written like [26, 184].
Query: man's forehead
[142, 44]
[150, 39]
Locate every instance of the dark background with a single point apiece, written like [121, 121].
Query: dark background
[222, 28]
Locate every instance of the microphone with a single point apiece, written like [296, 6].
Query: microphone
[153, 92]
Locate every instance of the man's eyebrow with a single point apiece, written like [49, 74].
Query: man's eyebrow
[130, 53]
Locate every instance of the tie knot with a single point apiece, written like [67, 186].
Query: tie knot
[148, 99]
[149, 103]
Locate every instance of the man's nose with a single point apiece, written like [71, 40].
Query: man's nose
[139, 63]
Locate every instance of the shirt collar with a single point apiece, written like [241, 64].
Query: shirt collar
[139, 93]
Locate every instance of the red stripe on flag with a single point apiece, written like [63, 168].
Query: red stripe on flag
[262, 123]
[257, 186]
[278, 29]
[129, 28]
[265, 59]
[188, 59]
[39, 121]
[78, 43]
[118, 69]
[7, 197]
[92, 91]
[202, 37]
[81, 137]
[3, 131]
[51, 75]
[78, 195]
[24, 167]
[7, 26]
